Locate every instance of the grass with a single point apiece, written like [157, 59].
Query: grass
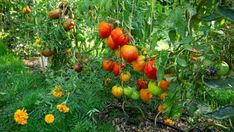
[21, 87]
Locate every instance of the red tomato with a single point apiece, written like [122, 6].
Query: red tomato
[142, 83]
[149, 70]
[118, 36]
[107, 64]
[104, 29]
[116, 68]
[111, 44]
[129, 53]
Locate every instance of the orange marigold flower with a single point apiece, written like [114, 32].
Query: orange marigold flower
[163, 96]
[169, 122]
[49, 118]
[57, 91]
[161, 108]
[62, 108]
[21, 116]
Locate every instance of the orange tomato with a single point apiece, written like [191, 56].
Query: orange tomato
[139, 64]
[111, 44]
[129, 53]
[145, 95]
[124, 77]
[107, 64]
[104, 29]
[26, 9]
[164, 84]
[163, 96]
[117, 91]
[55, 14]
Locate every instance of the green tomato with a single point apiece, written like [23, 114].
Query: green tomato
[135, 95]
[154, 90]
[222, 68]
[128, 91]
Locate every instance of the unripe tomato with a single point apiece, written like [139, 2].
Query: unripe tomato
[222, 68]
[129, 53]
[124, 77]
[117, 91]
[149, 70]
[107, 64]
[139, 64]
[104, 29]
[47, 52]
[68, 51]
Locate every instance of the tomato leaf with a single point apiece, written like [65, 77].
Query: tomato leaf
[181, 62]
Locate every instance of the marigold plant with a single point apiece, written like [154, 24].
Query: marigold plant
[21, 116]
[57, 91]
[63, 108]
[49, 118]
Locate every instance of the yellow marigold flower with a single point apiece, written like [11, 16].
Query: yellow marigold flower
[49, 118]
[169, 122]
[21, 116]
[63, 108]
[57, 92]
[161, 108]
[162, 96]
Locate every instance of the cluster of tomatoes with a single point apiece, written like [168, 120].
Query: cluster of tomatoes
[118, 39]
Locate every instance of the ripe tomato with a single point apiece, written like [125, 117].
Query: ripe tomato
[164, 84]
[116, 69]
[68, 24]
[145, 95]
[117, 91]
[111, 44]
[196, 51]
[124, 77]
[149, 70]
[193, 58]
[129, 53]
[104, 29]
[118, 36]
[55, 14]
[139, 64]
[142, 83]
[107, 64]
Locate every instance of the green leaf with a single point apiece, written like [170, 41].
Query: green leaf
[226, 13]
[187, 47]
[176, 111]
[187, 40]
[182, 62]
[223, 112]
[172, 35]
